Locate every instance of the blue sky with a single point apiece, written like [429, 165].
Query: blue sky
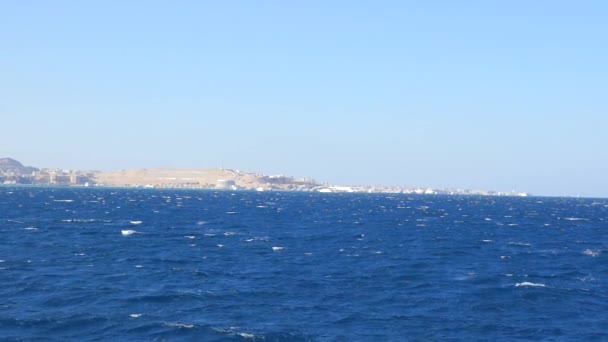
[503, 95]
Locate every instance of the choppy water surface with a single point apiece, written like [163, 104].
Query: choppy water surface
[100, 264]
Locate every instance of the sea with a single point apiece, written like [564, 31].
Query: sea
[99, 264]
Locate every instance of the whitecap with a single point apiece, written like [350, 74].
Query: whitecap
[276, 249]
[220, 246]
[135, 315]
[66, 201]
[179, 325]
[127, 232]
[527, 283]
[592, 252]
[136, 222]
[575, 219]
[138, 266]
[232, 212]
[487, 241]
[246, 335]
[30, 228]
[523, 244]
[229, 233]
[189, 236]
[14, 221]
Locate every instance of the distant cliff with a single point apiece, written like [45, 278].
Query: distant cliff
[11, 165]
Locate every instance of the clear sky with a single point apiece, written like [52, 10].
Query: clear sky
[502, 95]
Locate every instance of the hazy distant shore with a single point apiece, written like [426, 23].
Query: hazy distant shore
[13, 172]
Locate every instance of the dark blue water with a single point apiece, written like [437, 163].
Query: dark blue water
[75, 264]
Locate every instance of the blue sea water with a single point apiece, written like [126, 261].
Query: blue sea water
[133, 265]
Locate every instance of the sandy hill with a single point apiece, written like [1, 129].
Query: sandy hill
[207, 178]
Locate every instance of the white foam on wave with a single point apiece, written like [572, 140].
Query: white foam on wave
[575, 219]
[523, 244]
[592, 253]
[258, 238]
[64, 200]
[586, 279]
[79, 220]
[14, 221]
[276, 248]
[135, 315]
[487, 241]
[246, 335]
[30, 228]
[232, 331]
[136, 222]
[220, 246]
[179, 325]
[527, 283]
[189, 236]
[127, 232]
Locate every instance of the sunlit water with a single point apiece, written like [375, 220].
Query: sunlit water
[101, 264]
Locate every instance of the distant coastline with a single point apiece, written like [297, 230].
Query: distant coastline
[13, 172]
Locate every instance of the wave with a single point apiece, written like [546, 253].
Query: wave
[178, 325]
[593, 253]
[527, 283]
[575, 219]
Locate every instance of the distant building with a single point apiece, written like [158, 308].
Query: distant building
[225, 184]
[73, 178]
